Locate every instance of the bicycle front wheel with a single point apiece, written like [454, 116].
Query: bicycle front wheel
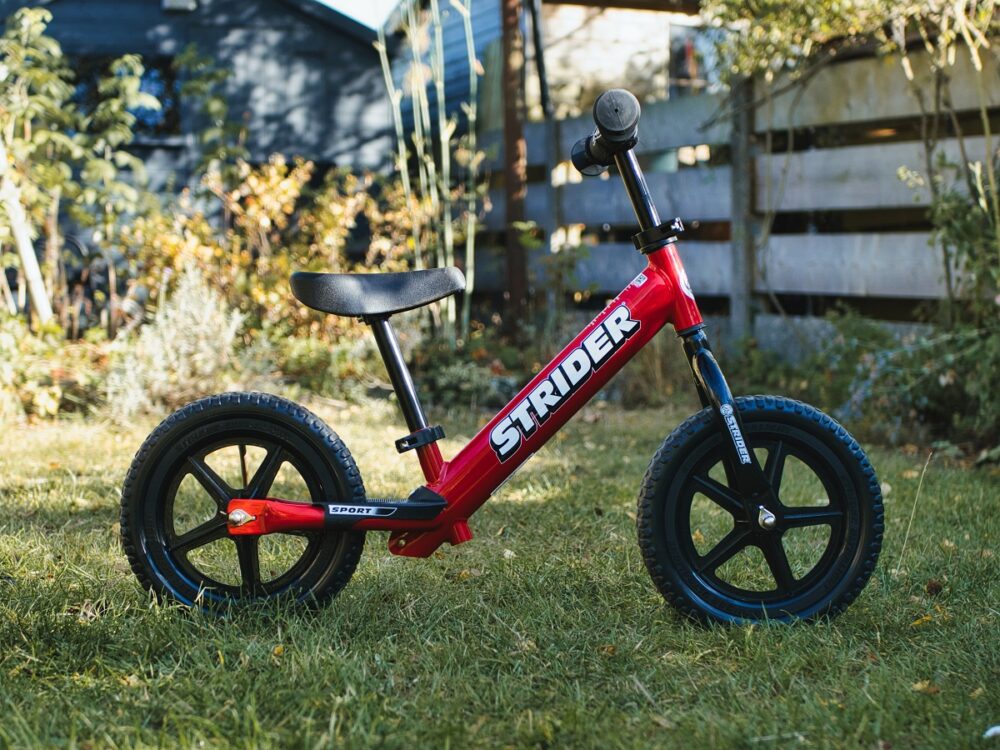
[717, 557]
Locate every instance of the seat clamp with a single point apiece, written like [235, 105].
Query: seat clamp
[422, 436]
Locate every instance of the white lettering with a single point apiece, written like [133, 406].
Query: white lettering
[554, 390]
[598, 345]
[619, 324]
[543, 397]
[576, 366]
[505, 438]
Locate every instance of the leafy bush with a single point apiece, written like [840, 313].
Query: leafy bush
[186, 352]
[930, 384]
[42, 375]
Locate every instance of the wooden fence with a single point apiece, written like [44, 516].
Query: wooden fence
[846, 226]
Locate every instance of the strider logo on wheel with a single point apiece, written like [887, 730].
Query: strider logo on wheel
[522, 421]
[734, 430]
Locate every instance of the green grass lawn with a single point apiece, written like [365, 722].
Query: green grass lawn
[544, 631]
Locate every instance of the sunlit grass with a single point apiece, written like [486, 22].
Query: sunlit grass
[544, 631]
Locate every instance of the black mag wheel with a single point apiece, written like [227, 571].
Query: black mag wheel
[253, 445]
[804, 555]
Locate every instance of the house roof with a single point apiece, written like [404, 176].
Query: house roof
[360, 20]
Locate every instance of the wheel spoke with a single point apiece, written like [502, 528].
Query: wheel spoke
[724, 551]
[221, 492]
[777, 561]
[795, 518]
[774, 467]
[719, 494]
[248, 552]
[263, 478]
[199, 536]
[243, 463]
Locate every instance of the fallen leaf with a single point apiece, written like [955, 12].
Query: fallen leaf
[977, 693]
[509, 554]
[608, 649]
[911, 474]
[926, 687]
[697, 537]
[278, 650]
[947, 545]
[921, 621]
[933, 587]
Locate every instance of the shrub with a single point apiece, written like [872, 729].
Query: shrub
[42, 375]
[186, 352]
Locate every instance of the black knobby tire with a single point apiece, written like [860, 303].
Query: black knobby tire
[712, 557]
[173, 521]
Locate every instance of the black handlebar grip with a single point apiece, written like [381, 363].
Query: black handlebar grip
[585, 161]
[616, 113]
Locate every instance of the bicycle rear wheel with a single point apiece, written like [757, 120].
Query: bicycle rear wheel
[251, 445]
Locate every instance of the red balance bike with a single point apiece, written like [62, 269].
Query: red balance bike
[754, 508]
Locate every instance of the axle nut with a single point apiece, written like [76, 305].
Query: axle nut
[240, 517]
[766, 519]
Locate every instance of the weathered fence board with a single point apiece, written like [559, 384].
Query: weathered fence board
[698, 193]
[665, 125]
[874, 265]
[608, 268]
[872, 89]
[852, 177]
[668, 124]
[537, 207]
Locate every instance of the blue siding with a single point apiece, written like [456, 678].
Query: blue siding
[303, 86]
[486, 29]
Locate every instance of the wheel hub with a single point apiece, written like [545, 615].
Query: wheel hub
[766, 519]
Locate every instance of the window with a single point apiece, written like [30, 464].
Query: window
[159, 79]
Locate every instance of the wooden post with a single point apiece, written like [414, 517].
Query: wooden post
[742, 223]
[515, 165]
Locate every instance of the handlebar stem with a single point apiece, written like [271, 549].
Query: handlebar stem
[638, 190]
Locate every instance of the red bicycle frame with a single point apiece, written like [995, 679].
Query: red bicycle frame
[660, 294]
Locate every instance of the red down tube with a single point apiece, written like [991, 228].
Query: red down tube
[658, 295]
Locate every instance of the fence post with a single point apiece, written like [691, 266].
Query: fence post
[742, 223]
[515, 167]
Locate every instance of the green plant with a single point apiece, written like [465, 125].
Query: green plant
[186, 352]
[41, 375]
[431, 148]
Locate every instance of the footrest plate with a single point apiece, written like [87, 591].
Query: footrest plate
[422, 505]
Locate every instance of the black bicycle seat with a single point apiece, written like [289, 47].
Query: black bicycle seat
[374, 294]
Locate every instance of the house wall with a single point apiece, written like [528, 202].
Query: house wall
[302, 86]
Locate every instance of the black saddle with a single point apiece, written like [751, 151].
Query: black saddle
[374, 294]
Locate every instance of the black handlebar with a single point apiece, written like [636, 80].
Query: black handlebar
[616, 114]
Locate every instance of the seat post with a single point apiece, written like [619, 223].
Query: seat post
[399, 373]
